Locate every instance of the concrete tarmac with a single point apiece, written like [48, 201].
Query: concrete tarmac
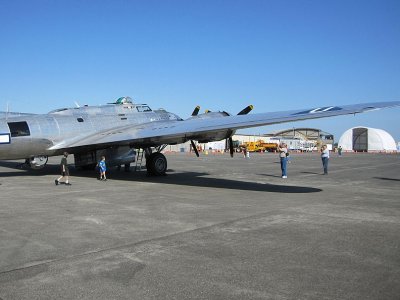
[214, 228]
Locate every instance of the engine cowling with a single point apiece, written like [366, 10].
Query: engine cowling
[210, 115]
[214, 136]
[211, 136]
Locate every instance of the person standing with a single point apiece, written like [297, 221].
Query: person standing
[245, 152]
[282, 148]
[340, 149]
[64, 170]
[103, 168]
[325, 158]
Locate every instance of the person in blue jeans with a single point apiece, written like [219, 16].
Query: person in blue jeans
[325, 158]
[282, 148]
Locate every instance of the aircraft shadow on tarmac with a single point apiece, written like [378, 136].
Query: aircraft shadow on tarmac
[185, 178]
[313, 173]
[269, 175]
[389, 179]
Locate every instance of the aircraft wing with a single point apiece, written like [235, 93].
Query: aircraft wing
[173, 132]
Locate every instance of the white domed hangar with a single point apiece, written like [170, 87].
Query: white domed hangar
[365, 139]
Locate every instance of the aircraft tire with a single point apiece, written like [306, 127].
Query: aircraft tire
[156, 164]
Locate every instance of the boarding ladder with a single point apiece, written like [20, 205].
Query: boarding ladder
[139, 159]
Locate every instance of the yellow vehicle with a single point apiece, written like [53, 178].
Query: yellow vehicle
[270, 147]
[259, 146]
[254, 147]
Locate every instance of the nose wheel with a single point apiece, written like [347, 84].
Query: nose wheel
[156, 164]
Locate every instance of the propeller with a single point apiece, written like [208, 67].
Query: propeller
[230, 146]
[244, 111]
[194, 148]
[196, 111]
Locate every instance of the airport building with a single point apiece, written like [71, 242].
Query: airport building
[364, 139]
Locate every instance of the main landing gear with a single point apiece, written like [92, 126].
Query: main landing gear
[156, 164]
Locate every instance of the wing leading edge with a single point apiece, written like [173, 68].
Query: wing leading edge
[172, 132]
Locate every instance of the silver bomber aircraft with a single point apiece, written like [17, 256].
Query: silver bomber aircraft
[116, 129]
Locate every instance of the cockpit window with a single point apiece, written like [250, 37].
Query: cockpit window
[124, 100]
[143, 108]
[19, 129]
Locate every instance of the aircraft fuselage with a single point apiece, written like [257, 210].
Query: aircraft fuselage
[28, 135]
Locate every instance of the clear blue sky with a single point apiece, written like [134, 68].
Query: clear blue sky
[222, 55]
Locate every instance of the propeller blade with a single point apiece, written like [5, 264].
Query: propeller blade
[231, 146]
[194, 148]
[207, 111]
[196, 111]
[246, 110]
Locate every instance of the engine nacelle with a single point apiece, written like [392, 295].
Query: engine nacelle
[213, 136]
[211, 115]
[37, 162]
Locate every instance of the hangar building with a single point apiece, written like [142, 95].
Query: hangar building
[303, 138]
[364, 139]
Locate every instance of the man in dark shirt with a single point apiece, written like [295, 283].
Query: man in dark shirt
[64, 170]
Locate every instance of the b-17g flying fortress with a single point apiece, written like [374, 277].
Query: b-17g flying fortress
[291, 75]
[117, 128]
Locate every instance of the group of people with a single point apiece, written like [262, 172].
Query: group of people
[284, 156]
[64, 178]
[282, 149]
